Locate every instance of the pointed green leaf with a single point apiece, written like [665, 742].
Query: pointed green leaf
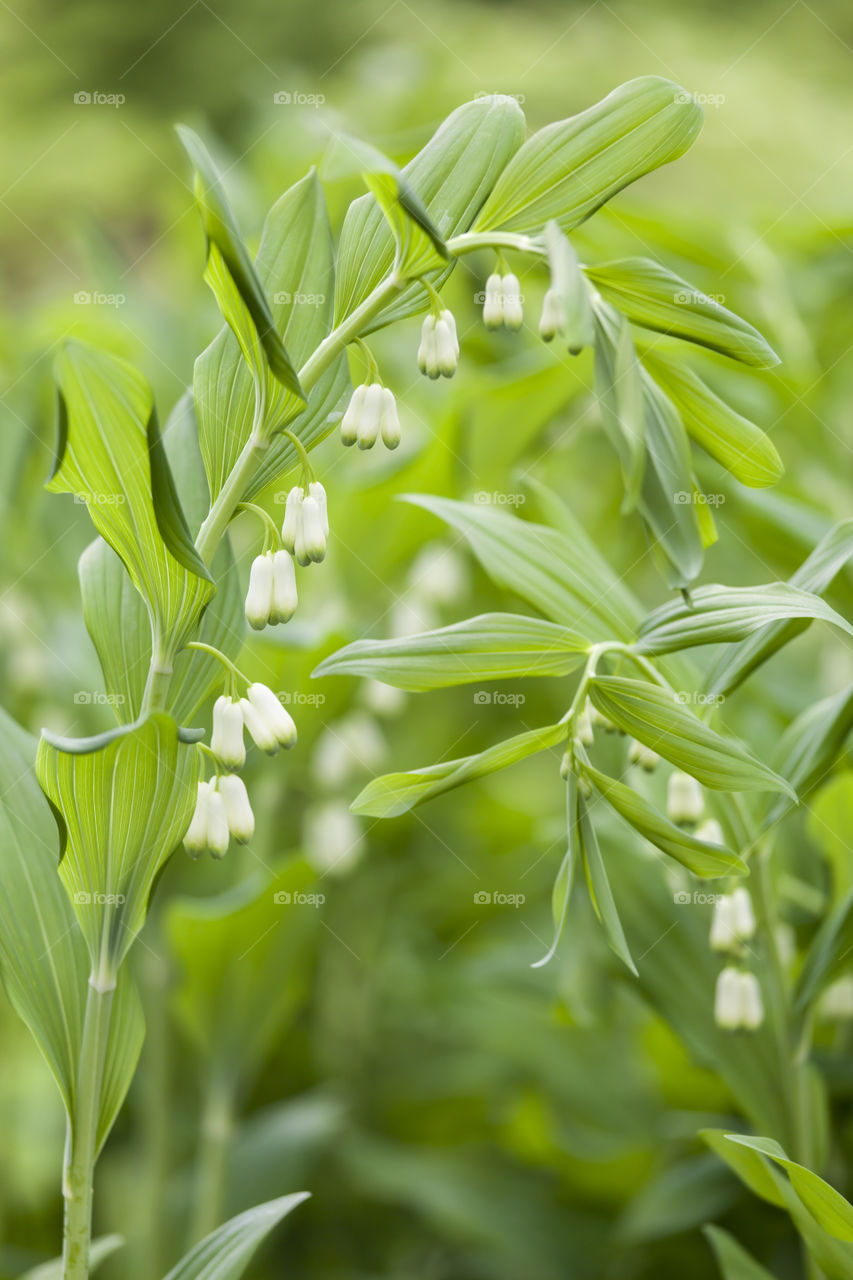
[571, 168]
[810, 746]
[104, 458]
[736, 443]
[599, 888]
[749, 1166]
[706, 860]
[452, 175]
[734, 1262]
[566, 874]
[828, 1207]
[226, 1252]
[117, 621]
[231, 274]
[655, 298]
[397, 793]
[492, 646]
[125, 807]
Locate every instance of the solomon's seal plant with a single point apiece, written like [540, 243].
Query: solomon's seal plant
[164, 607]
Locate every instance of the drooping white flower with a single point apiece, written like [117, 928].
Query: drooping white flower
[284, 597]
[438, 574]
[513, 311]
[389, 420]
[493, 302]
[565, 765]
[685, 802]
[743, 917]
[639, 753]
[583, 728]
[292, 518]
[710, 832]
[313, 532]
[438, 354]
[553, 318]
[723, 931]
[351, 421]
[751, 1004]
[259, 596]
[269, 724]
[195, 841]
[727, 998]
[371, 417]
[238, 810]
[333, 838]
[226, 739]
[598, 721]
[217, 823]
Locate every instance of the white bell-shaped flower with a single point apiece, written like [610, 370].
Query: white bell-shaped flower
[685, 801]
[751, 1004]
[727, 999]
[195, 841]
[269, 724]
[217, 823]
[333, 837]
[371, 417]
[723, 932]
[311, 544]
[238, 810]
[583, 727]
[351, 421]
[438, 354]
[389, 420]
[639, 753]
[710, 832]
[226, 739]
[259, 595]
[284, 597]
[493, 302]
[513, 309]
[553, 318]
[742, 914]
[292, 525]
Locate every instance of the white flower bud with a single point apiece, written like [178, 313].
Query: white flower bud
[493, 304]
[743, 918]
[565, 765]
[238, 811]
[710, 832]
[278, 720]
[226, 740]
[371, 416]
[553, 318]
[195, 841]
[685, 802]
[583, 728]
[312, 543]
[751, 1004]
[389, 420]
[352, 418]
[598, 721]
[292, 518]
[427, 351]
[727, 999]
[217, 824]
[639, 753]
[316, 491]
[512, 306]
[259, 595]
[723, 933]
[447, 345]
[284, 597]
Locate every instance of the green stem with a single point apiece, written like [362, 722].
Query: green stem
[82, 1149]
[217, 1122]
[471, 240]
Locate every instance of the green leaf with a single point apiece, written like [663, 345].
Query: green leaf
[396, 793]
[621, 398]
[828, 1207]
[244, 960]
[226, 1252]
[810, 746]
[717, 614]
[295, 264]
[104, 458]
[659, 719]
[814, 575]
[827, 957]
[750, 1167]
[453, 174]
[556, 574]
[43, 957]
[492, 646]
[706, 860]
[734, 1262]
[231, 274]
[599, 887]
[571, 168]
[655, 298]
[565, 876]
[100, 1250]
[117, 621]
[736, 443]
[124, 807]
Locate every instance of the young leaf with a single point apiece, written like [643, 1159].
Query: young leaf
[736, 443]
[749, 1166]
[124, 807]
[827, 1206]
[655, 298]
[717, 614]
[550, 571]
[810, 746]
[227, 1251]
[295, 265]
[657, 718]
[492, 646]
[565, 876]
[230, 273]
[734, 1262]
[599, 887]
[571, 168]
[397, 793]
[104, 458]
[453, 174]
[707, 860]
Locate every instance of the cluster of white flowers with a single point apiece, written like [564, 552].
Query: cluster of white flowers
[371, 413]
[222, 805]
[438, 354]
[685, 801]
[734, 921]
[306, 523]
[271, 597]
[737, 1000]
[639, 753]
[502, 303]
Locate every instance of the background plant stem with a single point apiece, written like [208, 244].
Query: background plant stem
[217, 1116]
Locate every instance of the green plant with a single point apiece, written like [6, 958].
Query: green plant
[160, 589]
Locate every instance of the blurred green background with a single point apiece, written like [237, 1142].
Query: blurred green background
[456, 1115]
